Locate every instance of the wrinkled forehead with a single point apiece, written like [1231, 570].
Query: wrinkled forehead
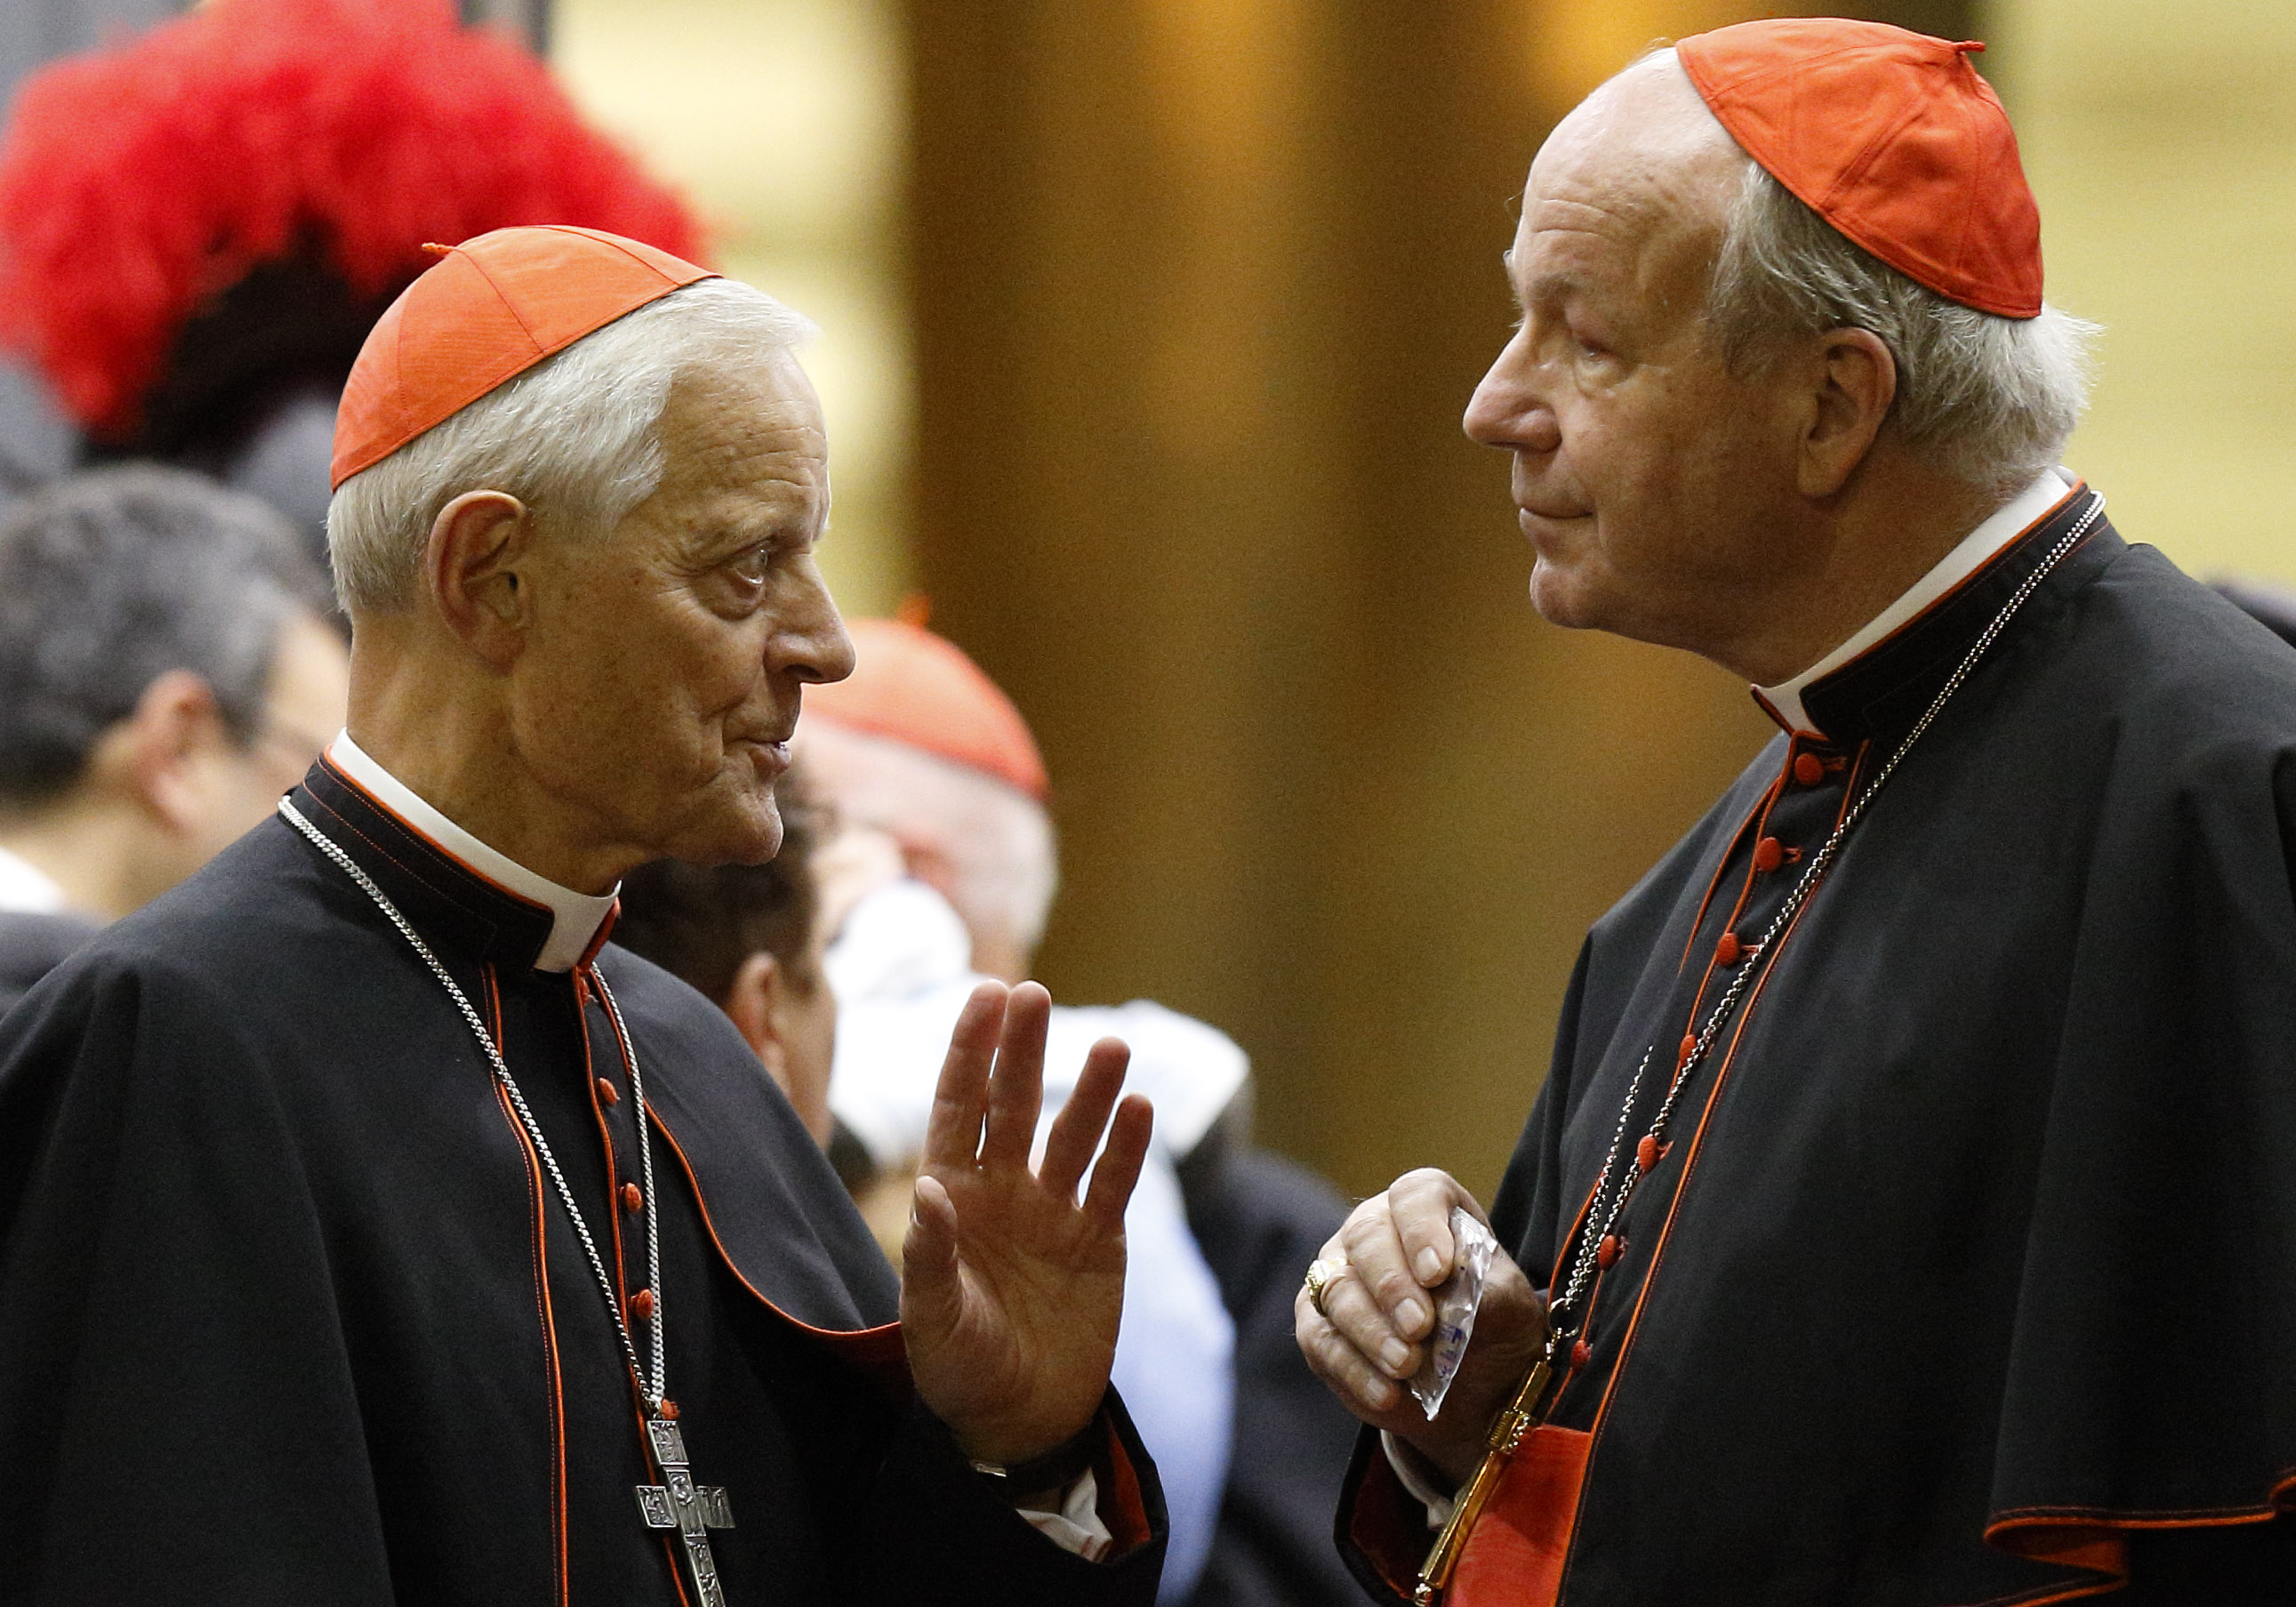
[745, 457]
[733, 419]
[1638, 162]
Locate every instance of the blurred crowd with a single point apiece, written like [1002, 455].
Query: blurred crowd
[201, 224]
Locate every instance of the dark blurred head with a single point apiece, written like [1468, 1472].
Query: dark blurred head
[163, 654]
[2274, 607]
[748, 937]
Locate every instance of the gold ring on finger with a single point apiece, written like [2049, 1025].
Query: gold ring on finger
[1320, 1274]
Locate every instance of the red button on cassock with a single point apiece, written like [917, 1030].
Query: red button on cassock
[606, 1092]
[642, 1304]
[1606, 1253]
[1581, 1353]
[1768, 855]
[669, 1408]
[1689, 1047]
[633, 1196]
[1809, 769]
[1729, 949]
[1646, 1151]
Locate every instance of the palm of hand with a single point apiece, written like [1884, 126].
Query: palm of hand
[1040, 1291]
[1013, 1291]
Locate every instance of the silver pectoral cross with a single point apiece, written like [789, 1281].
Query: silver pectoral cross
[692, 1509]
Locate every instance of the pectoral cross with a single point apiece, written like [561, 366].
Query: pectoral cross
[692, 1509]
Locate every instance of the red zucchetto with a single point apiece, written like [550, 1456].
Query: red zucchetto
[1891, 136]
[922, 691]
[487, 310]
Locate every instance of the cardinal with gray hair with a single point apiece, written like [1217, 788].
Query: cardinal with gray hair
[377, 1231]
[1905, 1215]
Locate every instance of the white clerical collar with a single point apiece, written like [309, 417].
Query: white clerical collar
[26, 890]
[2019, 515]
[576, 916]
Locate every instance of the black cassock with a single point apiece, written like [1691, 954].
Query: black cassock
[289, 1313]
[1969, 1272]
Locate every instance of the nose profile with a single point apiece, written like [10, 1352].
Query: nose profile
[1505, 412]
[818, 646]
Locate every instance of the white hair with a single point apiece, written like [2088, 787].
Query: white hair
[997, 841]
[1000, 851]
[574, 437]
[1989, 400]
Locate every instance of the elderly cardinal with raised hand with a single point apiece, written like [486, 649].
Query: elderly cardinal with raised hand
[1909, 1215]
[372, 1230]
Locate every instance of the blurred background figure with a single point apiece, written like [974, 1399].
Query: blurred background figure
[920, 750]
[2274, 607]
[167, 671]
[930, 754]
[749, 939]
[201, 224]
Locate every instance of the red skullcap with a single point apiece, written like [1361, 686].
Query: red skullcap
[1891, 138]
[918, 689]
[487, 310]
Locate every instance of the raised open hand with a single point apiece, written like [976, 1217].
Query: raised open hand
[1010, 1291]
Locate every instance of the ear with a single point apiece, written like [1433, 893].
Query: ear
[175, 726]
[470, 567]
[1856, 383]
[754, 1004]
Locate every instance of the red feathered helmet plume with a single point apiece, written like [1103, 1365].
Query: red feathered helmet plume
[140, 185]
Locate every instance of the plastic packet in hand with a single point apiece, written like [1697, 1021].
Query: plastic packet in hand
[1457, 1300]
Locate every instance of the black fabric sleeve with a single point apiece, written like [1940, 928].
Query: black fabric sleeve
[2222, 1565]
[178, 1421]
[936, 1530]
[1381, 1528]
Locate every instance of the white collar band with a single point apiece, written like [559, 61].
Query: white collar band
[1996, 536]
[576, 917]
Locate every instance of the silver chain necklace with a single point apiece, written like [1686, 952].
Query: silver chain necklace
[1758, 957]
[678, 1503]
